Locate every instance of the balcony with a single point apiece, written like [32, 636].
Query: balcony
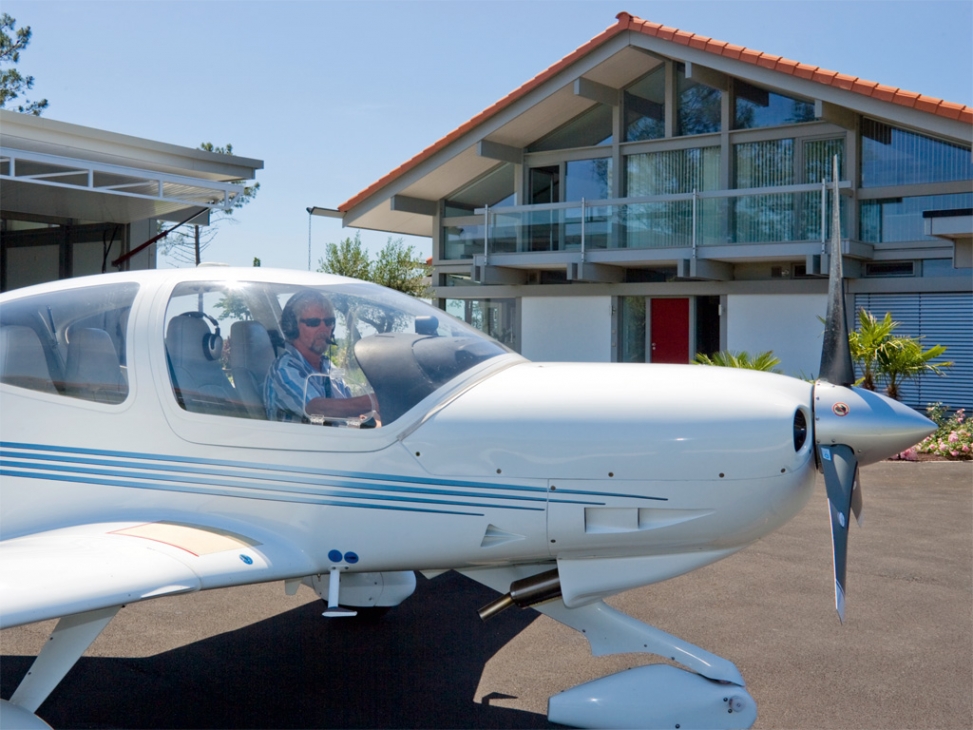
[700, 232]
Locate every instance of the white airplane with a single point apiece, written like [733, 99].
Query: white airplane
[138, 461]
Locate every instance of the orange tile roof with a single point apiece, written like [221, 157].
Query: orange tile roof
[627, 22]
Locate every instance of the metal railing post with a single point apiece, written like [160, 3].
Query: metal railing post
[824, 213]
[486, 235]
[582, 230]
[695, 198]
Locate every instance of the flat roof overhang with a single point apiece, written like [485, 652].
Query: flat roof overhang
[53, 169]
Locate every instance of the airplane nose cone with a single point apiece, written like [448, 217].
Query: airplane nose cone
[875, 426]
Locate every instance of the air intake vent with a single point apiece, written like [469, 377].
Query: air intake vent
[800, 429]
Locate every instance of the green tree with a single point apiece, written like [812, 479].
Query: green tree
[12, 83]
[346, 258]
[396, 266]
[727, 359]
[187, 246]
[399, 267]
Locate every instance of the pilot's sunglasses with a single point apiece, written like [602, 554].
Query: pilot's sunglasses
[317, 321]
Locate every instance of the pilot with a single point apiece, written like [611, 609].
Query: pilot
[308, 323]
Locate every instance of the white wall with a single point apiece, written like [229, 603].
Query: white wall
[566, 329]
[788, 324]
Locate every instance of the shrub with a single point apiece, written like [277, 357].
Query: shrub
[953, 438]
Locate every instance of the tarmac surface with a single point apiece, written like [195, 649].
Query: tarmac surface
[253, 657]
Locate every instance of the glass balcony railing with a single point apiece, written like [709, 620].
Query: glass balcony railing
[793, 213]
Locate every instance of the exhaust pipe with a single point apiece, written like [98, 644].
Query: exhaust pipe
[526, 592]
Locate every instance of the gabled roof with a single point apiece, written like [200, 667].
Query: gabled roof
[626, 22]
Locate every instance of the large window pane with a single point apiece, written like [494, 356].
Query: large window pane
[591, 129]
[496, 188]
[818, 157]
[495, 317]
[763, 218]
[893, 156]
[900, 219]
[755, 107]
[669, 173]
[588, 180]
[699, 108]
[645, 107]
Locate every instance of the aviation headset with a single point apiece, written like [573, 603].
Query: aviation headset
[297, 303]
[212, 342]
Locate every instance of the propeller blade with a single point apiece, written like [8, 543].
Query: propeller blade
[836, 365]
[840, 469]
[857, 497]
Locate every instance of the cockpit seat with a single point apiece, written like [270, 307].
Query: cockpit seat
[201, 385]
[93, 371]
[22, 360]
[251, 355]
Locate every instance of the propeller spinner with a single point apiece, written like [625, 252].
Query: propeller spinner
[851, 426]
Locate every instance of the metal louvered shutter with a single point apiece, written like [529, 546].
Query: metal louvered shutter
[939, 319]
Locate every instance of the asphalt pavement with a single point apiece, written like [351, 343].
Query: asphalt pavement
[253, 657]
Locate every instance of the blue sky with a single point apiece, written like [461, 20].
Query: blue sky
[332, 95]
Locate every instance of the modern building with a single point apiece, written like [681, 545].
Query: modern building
[657, 193]
[76, 200]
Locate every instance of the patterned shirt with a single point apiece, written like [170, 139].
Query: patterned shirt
[284, 387]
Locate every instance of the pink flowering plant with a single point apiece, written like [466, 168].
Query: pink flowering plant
[953, 438]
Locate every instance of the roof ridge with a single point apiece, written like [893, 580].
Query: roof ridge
[625, 21]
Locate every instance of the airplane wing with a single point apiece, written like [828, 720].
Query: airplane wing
[87, 567]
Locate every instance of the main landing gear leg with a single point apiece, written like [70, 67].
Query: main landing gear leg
[712, 695]
[69, 640]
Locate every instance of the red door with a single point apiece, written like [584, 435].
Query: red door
[669, 322]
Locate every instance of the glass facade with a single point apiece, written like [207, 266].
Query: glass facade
[770, 217]
[699, 108]
[893, 156]
[754, 107]
[666, 173]
[496, 317]
[645, 107]
[900, 219]
[591, 129]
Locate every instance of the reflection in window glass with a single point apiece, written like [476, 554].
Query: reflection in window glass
[669, 173]
[699, 108]
[494, 189]
[645, 107]
[765, 217]
[755, 107]
[593, 128]
[900, 219]
[893, 156]
[69, 342]
[818, 157]
[588, 179]
[462, 242]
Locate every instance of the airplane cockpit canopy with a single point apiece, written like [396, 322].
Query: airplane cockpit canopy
[224, 337]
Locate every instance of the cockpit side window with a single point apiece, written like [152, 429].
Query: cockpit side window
[346, 355]
[205, 323]
[71, 342]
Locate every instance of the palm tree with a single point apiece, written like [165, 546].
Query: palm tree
[872, 338]
[906, 360]
[886, 359]
[727, 359]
